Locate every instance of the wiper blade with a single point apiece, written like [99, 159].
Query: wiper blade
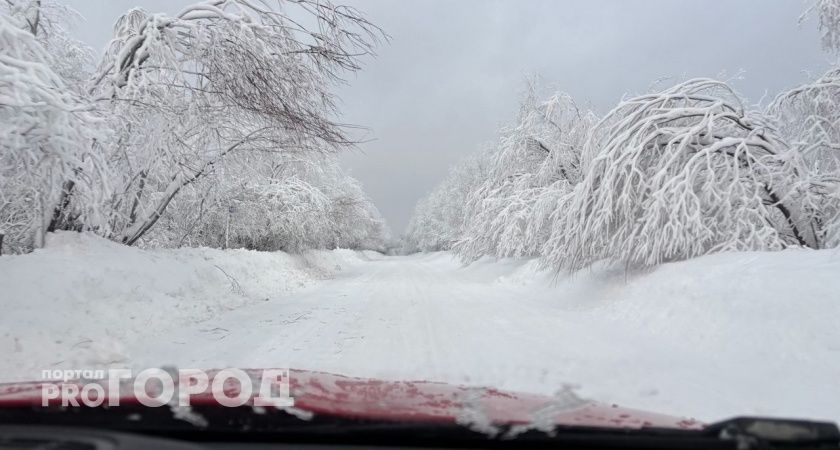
[749, 432]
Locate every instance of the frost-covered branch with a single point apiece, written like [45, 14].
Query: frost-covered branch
[828, 12]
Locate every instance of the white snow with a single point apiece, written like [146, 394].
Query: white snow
[79, 302]
[720, 335]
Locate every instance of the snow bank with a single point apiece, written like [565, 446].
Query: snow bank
[75, 303]
[724, 334]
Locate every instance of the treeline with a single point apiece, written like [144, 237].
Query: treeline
[664, 176]
[211, 127]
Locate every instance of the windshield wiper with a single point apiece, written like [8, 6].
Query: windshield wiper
[754, 432]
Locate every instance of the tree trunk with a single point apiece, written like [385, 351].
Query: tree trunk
[34, 20]
[137, 230]
[60, 211]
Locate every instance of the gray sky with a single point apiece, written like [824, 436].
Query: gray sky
[454, 70]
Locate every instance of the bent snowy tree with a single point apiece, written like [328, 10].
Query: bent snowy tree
[45, 135]
[808, 117]
[679, 174]
[536, 160]
[220, 78]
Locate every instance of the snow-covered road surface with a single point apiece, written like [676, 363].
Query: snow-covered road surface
[425, 317]
[420, 317]
[727, 334]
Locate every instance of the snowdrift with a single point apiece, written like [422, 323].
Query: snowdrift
[76, 302]
[731, 333]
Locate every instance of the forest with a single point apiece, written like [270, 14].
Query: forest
[218, 127]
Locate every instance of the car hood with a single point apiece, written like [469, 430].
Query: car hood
[341, 396]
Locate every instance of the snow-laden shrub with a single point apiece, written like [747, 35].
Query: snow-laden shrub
[677, 174]
[301, 205]
[286, 214]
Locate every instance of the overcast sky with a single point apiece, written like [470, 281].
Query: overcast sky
[454, 70]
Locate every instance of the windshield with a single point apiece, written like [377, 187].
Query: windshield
[611, 213]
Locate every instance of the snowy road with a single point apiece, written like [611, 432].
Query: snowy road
[666, 342]
[725, 334]
[421, 317]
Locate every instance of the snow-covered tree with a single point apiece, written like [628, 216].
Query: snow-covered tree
[678, 174]
[50, 23]
[828, 12]
[536, 160]
[498, 202]
[438, 220]
[664, 176]
[355, 220]
[187, 118]
[808, 117]
[221, 78]
[46, 136]
[292, 205]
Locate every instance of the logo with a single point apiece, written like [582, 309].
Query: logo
[174, 387]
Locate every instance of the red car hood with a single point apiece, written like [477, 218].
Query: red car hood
[417, 401]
